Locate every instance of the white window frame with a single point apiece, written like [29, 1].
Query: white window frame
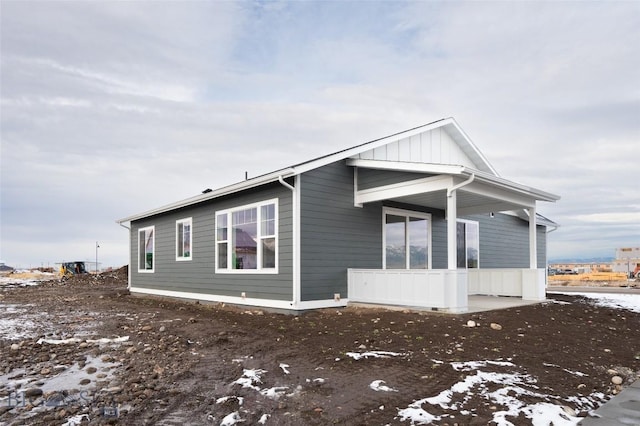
[466, 242]
[229, 215]
[153, 258]
[406, 214]
[182, 222]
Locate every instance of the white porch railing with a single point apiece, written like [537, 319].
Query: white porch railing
[442, 288]
[435, 288]
[529, 284]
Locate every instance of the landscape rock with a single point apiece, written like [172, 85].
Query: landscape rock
[496, 326]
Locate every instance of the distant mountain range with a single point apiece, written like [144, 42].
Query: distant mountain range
[607, 259]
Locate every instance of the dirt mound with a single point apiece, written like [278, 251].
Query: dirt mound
[114, 358]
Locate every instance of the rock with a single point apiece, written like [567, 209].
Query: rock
[616, 380]
[33, 392]
[162, 329]
[91, 370]
[15, 347]
[471, 323]
[84, 382]
[114, 389]
[496, 326]
[612, 372]
[146, 328]
[45, 371]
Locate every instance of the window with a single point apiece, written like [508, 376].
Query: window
[406, 239]
[183, 239]
[246, 238]
[146, 246]
[468, 242]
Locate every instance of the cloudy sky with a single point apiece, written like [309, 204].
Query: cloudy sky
[113, 108]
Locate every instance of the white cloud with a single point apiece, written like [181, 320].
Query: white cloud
[111, 108]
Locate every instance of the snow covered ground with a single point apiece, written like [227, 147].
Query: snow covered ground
[630, 302]
[24, 278]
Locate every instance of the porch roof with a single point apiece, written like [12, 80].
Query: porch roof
[477, 191]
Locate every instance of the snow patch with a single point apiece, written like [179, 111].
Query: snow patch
[231, 419]
[224, 399]
[502, 389]
[630, 302]
[251, 378]
[76, 420]
[378, 386]
[372, 354]
[284, 368]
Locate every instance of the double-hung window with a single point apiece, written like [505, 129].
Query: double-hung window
[247, 238]
[183, 239]
[468, 242]
[146, 247]
[407, 239]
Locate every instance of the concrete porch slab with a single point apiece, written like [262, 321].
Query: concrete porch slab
[476, 303]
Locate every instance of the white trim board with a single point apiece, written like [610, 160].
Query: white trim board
[246, 301]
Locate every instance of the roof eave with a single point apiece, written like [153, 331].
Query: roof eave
[227, 190]
[488, 178]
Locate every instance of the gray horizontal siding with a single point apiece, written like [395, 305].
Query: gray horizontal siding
[504, 241]
[198, 275]
[370, 178]
[335, 235]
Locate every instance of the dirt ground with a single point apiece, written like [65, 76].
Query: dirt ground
[165, 362]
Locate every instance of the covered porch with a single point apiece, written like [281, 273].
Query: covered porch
[459, 192]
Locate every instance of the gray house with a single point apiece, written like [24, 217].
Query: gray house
[419, 218]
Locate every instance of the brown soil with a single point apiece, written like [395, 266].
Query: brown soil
[181, 357]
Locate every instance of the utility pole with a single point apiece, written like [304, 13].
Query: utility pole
[97, 247]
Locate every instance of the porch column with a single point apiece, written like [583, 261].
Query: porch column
[452, 240]
[533, 245]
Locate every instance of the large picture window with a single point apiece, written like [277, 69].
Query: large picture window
[246, 238]
[407, 238]
[183, 239]
[146, 247]
[468, 242]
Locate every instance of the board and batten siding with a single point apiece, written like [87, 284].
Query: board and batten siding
[335, 235]
[198, 275]
[433, 146]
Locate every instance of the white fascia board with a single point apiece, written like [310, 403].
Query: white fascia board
[473, 146]
[404, 166]
[497, 181]
[404, 189]
[500, 193]
[246, 301]
[240, 186]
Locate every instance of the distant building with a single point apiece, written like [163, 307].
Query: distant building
[627, 260]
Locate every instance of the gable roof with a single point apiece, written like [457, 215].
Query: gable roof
[449, 125]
